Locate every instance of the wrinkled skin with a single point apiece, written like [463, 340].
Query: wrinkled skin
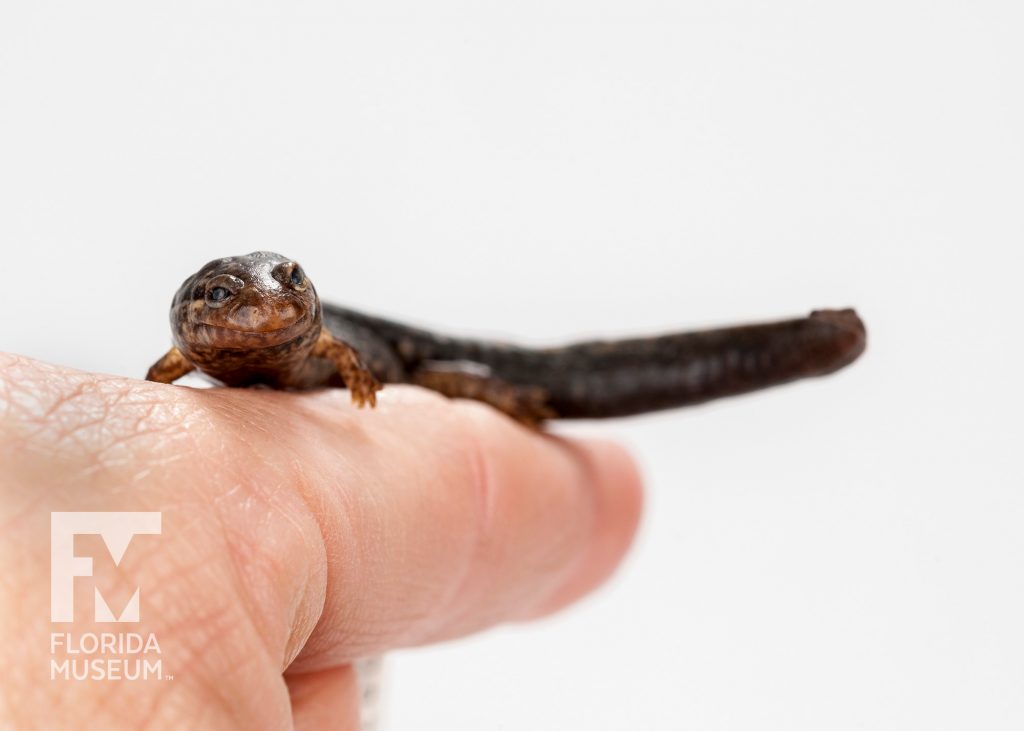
[298, 534]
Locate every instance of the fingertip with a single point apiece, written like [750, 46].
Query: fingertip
[616, 481]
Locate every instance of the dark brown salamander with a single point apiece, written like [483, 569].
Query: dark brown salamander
[256, 319]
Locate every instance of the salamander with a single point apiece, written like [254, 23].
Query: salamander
[256, 319]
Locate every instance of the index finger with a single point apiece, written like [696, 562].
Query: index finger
[440, 518]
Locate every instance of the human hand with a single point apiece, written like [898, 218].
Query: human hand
[298, 534]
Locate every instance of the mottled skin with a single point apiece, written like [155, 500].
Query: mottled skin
[256, 319]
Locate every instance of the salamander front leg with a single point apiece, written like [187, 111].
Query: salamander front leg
[358, 378]
[170, 368]
[525, 404]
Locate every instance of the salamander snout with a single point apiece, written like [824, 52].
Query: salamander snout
[220, 289]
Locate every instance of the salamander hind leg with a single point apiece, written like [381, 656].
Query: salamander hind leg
[526, 404]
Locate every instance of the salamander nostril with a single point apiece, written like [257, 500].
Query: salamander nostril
[291, 275]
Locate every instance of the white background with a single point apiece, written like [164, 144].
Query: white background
[841, 554]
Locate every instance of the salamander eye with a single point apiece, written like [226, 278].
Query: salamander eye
[290, 274]
[222, 288]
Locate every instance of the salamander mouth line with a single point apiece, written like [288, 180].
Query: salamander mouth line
[273, 337]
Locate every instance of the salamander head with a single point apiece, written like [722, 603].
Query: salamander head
[258, 311]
